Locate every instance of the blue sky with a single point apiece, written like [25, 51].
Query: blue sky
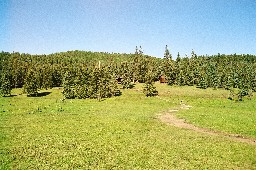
[207, 26]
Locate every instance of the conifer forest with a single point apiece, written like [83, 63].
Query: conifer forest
[97, 74]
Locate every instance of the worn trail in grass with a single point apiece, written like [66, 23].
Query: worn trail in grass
[170, 117]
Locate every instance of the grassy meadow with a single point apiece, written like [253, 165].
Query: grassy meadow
[123, 132]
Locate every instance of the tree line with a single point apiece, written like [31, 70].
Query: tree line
[96, 74]
[235, 73]
[82, 74]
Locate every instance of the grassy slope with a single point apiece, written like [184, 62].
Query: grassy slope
[219, 114]
[121, 132]
[5, 157]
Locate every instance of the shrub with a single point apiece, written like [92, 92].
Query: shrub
[149, 90]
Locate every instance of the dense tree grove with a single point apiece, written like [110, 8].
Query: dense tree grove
[218, 71]
[96, 74]
[82, 74]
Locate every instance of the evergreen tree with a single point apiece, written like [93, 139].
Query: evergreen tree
[167, 54]
[5, 84]
[149, 89]
[136, 50]
[81, 85]
[68, 91]
[203, 82]
[178, 59]
[31, 85]
[193, 55]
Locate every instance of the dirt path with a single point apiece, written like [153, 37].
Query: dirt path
[170, 118]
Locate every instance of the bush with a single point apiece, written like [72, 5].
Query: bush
[149, 90]
[239, 94]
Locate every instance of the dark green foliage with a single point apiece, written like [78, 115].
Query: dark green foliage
[45, 77]
[253, 82]
[126, 82]
[125, 75]
[31, 85]
[178, 59]
[5, 74]
[202, 83]
[90, 80]
[149, 89]
[35, 72]
[140, 66]
[100, 84]
[167, 54]
[68, 91]
[167, 70]
[239, 94]
[221, 71]
[94, 82]
[81, 85]
[5, 84]
[56, 78]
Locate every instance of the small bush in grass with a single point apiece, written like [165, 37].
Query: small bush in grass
[239, 94]
[149, 89]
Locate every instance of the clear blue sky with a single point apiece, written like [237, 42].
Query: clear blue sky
[207, 26]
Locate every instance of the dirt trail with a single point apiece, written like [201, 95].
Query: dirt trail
[170, 118]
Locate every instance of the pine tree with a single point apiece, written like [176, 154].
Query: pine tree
[126, 81]
[5, 84]
[178, 59]
[168, 66]
[202, 83]
[31, 85]
[141, 51]
[193, 55]
[149, 89]
[80, 85]
[68, 91]
[228, 82]
[136, 50]
[136, 64]
[167, 54]
[126, 78]
[253, 83]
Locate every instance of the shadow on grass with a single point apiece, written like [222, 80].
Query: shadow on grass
[132, 86]
[12, 95]
[41, 94]
[118, 93]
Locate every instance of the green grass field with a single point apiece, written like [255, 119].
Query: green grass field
[124, 133]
